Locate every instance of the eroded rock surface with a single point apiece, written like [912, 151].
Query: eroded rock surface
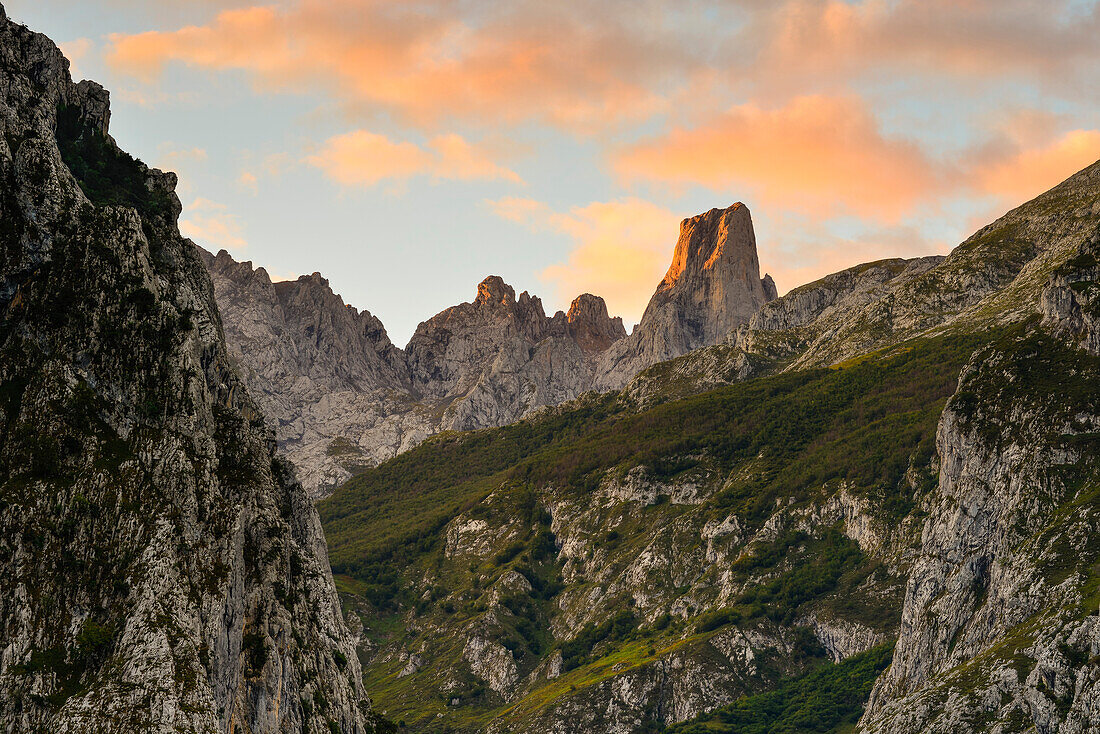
[163, 571]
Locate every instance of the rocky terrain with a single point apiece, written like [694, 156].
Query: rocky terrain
[870, 505]
[344, 398]
[163, 571]
[890, 473]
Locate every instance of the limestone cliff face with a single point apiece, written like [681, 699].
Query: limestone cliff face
[163, 571]
[344, 397]
[712, 286]
[999, 622]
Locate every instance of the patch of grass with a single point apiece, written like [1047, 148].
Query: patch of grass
[828, 699]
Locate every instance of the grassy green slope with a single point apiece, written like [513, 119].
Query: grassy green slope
[862, 422]
[785, 436]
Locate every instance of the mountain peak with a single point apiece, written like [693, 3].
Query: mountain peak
[714, 279]
[590, 324]
[494, 290]
[707, 239]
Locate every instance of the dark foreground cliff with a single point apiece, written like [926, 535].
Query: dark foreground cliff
[161, 569]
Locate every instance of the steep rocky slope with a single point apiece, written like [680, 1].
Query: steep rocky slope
[162, 569]
[345, 398]
[712, 286]
[1000, 622]
[335, 388]
[904, 452]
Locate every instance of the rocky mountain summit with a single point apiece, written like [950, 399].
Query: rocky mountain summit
[345, 398]
[712, 286]
[163, 571]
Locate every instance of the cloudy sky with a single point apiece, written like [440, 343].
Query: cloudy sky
[408, 149]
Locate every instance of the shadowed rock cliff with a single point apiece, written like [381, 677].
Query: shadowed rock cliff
[163, 571]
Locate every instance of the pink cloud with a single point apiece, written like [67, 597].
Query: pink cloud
[363, 158]
[821, 155]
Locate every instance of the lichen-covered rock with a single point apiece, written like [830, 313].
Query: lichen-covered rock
[163, 571]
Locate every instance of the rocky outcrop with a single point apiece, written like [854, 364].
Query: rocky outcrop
[163, 571]
[999, 629]
[589, 325]
[344, 398]
[497, 359]
[1070, 306]
[712, 286]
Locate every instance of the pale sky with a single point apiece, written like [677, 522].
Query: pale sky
[408, 149]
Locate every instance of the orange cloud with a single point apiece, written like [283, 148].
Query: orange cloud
[211, 225]
[362, 158]
[821, 155]
[1027, 172]
[621, 248]
[424, 64]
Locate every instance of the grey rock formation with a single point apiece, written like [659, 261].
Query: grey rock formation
[163, 571]
[325, 374]
[344, 398]
[712, 286]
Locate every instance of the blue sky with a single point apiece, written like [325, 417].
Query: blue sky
[407, 150]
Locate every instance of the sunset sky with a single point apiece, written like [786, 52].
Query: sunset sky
[408, 149]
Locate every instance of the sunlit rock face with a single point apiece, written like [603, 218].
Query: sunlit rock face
[712, 286]
[343, 397]
[162, 569]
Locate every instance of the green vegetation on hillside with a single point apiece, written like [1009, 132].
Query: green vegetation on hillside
[866, 424]
[828, 699]
[106, 174]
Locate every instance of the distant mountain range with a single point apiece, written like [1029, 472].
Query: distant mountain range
[344, 398]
